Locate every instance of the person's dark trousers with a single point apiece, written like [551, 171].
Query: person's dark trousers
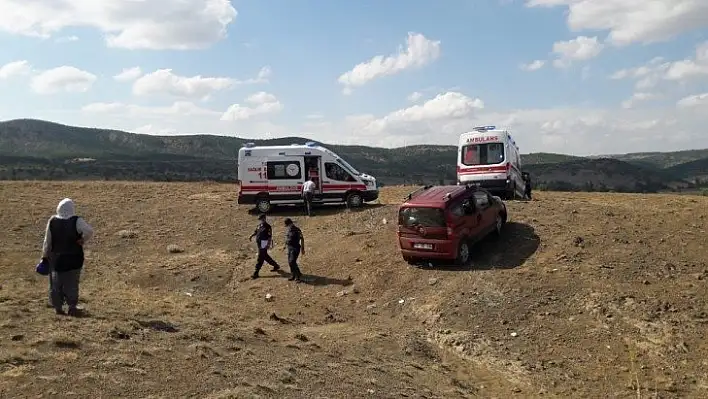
[263, 256]
[307, 197]
[65, 287]
[527, 192]
[293, 254]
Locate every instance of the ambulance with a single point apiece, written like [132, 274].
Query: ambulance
[274, 175]
[489, 157]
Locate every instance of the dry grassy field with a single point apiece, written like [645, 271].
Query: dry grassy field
[585, 295]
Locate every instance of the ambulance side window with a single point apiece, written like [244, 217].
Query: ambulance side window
[336, 172]
[284, 170]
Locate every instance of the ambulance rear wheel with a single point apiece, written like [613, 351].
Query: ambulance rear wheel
[263, 205]
[354, 200]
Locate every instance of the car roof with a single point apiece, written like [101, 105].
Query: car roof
[435, 196]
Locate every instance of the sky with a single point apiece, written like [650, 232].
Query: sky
[583, 77]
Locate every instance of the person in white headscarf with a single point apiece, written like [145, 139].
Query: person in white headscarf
[64, 239]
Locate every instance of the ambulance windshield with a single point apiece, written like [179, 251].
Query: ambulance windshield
[348, 167]
[483, 154]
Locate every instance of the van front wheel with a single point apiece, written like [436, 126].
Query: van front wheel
[354, 200]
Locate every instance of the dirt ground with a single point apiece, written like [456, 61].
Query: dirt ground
[585, 295]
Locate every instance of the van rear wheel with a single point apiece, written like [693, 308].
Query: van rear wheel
[409, 260]
[463, 253]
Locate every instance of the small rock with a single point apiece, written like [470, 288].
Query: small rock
[384, 221]
[301, 337]
[269, 297]
[401, 301]
[514, 334]
[371, 306]
[174, 249]
[17, 337]
[342, 293]
[432, 281]
[127, 234]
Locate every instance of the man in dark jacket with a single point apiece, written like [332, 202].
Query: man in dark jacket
[63, 250]
[527, 185]
[295, 242]
[264, 241]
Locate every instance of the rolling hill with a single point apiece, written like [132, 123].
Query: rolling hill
[36, 149]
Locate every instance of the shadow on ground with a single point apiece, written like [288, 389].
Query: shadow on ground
[318, 210]
[518, 241]
[323, 281]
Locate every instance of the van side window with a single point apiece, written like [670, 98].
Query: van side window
[336, 172]
[284, 170]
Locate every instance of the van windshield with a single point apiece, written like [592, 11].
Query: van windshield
[426, 217]
[349, 168]
[483, 154]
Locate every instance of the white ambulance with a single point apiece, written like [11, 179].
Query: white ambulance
[489, 157]
[274, 175]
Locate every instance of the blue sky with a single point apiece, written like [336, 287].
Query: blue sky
[465, 66]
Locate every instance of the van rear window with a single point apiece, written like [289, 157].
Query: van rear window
[483, 154]
[426, 217]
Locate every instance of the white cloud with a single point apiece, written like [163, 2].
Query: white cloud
[658, 70]
[154, 24]
[419, 52]
[63, 79]
[154, 130]
[261, 103]
[15, 68]
[638, 97]
[695, 100]
[445, 108]
[582, 48]
[633, 21]
[165, 82]
[67, 39]
[129, 74]
[415, 96]
[179, 108]
[533, 66]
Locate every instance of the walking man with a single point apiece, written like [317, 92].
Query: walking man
[296, 245]
[63, 250]
[264, 240]
[527, 185]
[308, 193]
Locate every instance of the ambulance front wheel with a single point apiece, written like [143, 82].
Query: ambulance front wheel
[263, 205]
[354, 200]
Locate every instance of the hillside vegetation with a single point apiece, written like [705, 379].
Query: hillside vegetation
[34, 149]
[585, 295]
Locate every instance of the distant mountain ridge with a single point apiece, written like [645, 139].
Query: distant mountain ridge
[37, 149]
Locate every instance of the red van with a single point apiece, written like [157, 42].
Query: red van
[443, 222]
